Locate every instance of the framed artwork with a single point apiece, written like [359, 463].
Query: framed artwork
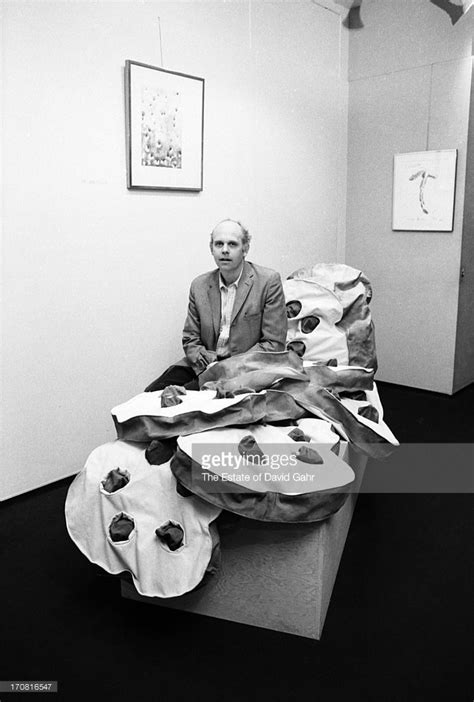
[164, 123]
[424, 186]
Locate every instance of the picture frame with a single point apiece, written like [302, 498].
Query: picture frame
[424, 188]
[164, 128]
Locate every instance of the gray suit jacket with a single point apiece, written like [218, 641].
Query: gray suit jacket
[259, 321]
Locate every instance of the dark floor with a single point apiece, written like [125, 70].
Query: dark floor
[399, 625]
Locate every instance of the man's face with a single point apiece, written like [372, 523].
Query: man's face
[227, 248]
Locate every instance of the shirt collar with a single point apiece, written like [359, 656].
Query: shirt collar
[223, 284]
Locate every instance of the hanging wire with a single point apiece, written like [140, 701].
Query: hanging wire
[161, 42]
[325, 6]
[428, 120]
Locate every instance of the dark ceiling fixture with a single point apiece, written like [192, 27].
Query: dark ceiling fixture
[353, 19]
[454, 10]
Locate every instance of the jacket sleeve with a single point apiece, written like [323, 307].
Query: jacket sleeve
[274, 319]
[192, 343]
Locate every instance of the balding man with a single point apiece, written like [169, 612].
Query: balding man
[235, 308]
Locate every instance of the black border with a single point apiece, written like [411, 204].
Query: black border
[130, 186]
[440, 231]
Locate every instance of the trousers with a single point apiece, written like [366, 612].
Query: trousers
[175, 375]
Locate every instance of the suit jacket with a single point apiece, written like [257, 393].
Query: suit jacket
[258, 322]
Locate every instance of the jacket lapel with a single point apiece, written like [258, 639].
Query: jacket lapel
[214, 295]
[245, 285]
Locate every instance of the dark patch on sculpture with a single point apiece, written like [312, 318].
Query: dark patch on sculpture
[116, 479]
[171, 395]
[298, 347]
[298, 434]
[369, 412]
[293, 308]
[249, 449]
[160, 451]
[171, 534]
[309, 324]
[121, 527]
[309, 455]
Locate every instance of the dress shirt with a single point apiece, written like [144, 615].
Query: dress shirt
[228, 293]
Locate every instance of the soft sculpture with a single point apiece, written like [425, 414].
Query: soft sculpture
[329, 315]
[265, 437]
[274, 479]
[143, 418]
[167, 543]
[294, 390]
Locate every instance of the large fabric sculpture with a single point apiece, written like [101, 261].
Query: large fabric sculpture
[304, 404]
[262, 387]
[115, 522]
[329, 315]
[281, 479]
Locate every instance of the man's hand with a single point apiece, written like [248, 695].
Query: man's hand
[204, 359]
[200, 357]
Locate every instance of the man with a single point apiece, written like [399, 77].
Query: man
[236, 308]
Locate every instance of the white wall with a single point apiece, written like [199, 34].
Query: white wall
[410, 74]
[95, 277]
[464, 354]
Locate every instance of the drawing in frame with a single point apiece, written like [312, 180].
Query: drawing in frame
[165, 127]
[424, 187]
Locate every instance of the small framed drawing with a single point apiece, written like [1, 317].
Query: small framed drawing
[424, 185]
[165, 126]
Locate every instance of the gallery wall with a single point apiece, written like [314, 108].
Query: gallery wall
[95, 277]
[409, 78]
[464, 352]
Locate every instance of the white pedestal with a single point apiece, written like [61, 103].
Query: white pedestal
[274, 576]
